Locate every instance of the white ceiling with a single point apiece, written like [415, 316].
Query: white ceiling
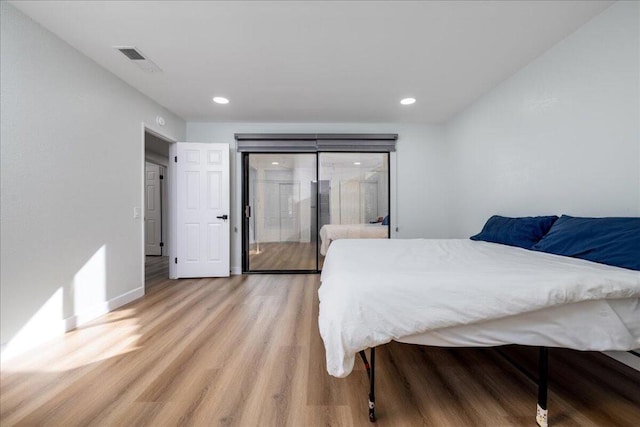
[290, 61]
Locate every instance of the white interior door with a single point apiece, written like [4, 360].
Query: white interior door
[152, 210]
[203, 247]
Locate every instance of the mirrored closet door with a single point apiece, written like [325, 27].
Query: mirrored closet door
[353, 198]
[282, 200]
[302, 192]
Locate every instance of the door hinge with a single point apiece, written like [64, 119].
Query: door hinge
[161, 244]
[175, 159]
[176, 260]
[161, 176]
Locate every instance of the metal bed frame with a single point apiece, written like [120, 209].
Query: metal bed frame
[543, 371]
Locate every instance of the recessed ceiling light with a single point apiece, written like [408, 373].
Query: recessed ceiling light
[407, 101]
[356, 163]
[220, 100]
[275, 163]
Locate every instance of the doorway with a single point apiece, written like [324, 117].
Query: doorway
[156, 208]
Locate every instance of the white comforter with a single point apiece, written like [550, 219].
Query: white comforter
[374, 291]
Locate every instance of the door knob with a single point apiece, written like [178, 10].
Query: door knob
[224, 217]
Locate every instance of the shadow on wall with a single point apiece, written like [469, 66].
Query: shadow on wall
[81, 299]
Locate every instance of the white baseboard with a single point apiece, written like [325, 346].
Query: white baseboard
[103, 308]
[70, 323]
[123, 299]
[22, 344]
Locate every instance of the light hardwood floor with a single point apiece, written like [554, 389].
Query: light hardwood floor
[156, 270]
[245, 351]
[283, 256]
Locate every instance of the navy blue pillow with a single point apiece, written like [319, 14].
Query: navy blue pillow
[385, 221]
[611, 241]
[521, 232]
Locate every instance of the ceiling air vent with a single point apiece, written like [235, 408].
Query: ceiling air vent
[139, 59]
[131, 53]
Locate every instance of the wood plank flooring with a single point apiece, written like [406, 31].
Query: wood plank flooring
[283, 256]
[156, 270]
[245, 351]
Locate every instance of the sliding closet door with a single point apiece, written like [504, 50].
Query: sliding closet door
[353, 197]
[281, 218]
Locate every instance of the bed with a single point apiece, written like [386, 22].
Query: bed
[331, 232]
[470, 293]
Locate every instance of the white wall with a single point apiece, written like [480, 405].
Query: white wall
[418, 208]
[560, 136]
[72, 171]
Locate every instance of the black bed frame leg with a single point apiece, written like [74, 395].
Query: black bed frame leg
[543, 371]
[372, 395]
[371, 374]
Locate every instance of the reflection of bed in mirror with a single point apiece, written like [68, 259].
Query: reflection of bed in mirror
[331, 232]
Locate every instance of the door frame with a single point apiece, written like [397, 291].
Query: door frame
[244, 200]
[245, 220]
[171, 197]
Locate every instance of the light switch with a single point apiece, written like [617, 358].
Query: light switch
[136, 212]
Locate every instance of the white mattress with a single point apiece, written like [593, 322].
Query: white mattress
[465, 293]
[588, 325]
[331, 232]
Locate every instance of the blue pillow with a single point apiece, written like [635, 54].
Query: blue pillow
[385, 221]
[611, 241]
[521, 232]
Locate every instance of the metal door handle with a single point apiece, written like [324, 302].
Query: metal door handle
[224, 217]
